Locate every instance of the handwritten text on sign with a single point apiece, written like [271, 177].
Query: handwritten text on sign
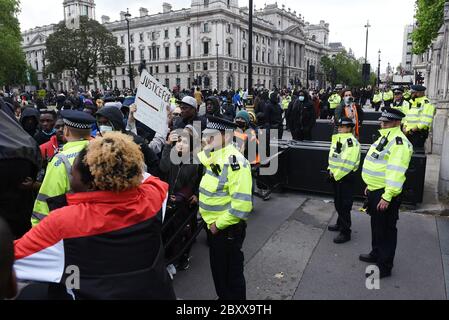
[153, 101]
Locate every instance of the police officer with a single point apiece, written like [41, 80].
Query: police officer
[77, 131]
[334, 101]
[419, 118]
[383, 172]
[388, 97]
[399, 102]
[225, 205]
[344, 160]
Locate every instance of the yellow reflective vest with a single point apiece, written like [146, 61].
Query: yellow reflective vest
[377, 98]
[388, 96]
[226, 187]
[420, 115]
[334, 101]
[56, 180]
[386, 163]
[403, 106]
[285, 102]
[344, 155]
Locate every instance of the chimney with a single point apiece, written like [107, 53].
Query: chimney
[143, 12]
[122, 15]
[105, 19]
[166, 7]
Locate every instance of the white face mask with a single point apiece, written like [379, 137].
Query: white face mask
[349, 100]
[104, 129]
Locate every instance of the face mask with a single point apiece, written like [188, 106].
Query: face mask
[301, 98]
[177, 122]
[349, 100]
[52, 132]
[241, 125]
[104, 129]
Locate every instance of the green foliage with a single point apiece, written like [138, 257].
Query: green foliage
[343, 69]
[429, 18]
[84, 49]
[12, 58]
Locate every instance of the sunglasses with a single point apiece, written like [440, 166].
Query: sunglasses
[176, 114]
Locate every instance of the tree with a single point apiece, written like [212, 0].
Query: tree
[12, 58]
[429, 19]
[342, 69]
[83, 50]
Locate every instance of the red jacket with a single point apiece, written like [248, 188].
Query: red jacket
[49, 148]
[114, 239]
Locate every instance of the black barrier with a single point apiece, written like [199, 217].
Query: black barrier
[371, 115]
[174, 227]
[324, 129]
[305, 169]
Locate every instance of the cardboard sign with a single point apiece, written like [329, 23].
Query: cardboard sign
[153, 102]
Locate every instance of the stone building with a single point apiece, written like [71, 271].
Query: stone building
[204, 45]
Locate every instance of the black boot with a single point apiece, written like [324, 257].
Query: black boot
[334, 228]
[342, 238]
[368, 258]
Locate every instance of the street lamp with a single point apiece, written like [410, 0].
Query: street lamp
[283, 68]
[131, 80]
[367, 26]
[218, 78]
[378, 71]
[250, 48]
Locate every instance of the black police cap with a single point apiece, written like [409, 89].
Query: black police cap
[77, 119]
[418, 88]
[391, 114]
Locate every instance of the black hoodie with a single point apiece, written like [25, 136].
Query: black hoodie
[30, 113]
[302, 115]
[115, 116]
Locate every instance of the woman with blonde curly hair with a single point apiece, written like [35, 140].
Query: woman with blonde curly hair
[109, 230]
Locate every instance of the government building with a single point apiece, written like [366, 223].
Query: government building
[205, 45]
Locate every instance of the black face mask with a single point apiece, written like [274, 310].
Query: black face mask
[241, 125]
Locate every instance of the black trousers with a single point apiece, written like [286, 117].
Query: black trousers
[343, 200]
[418, 139]
[383, 230]
[226, 261]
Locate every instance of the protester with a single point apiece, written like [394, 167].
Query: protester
[8, 285]
[302, 117]
[47, 130]
[111, 217]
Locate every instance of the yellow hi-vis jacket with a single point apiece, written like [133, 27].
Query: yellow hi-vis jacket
[420, 115]
[226, 187]
[388, 95]
[385, 168]
[404, 106]
[285, 102]
[377, 97]
[344, 155]
[334, 101]
[56, 180]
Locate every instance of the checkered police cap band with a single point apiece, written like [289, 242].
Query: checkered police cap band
[77, 125]
[392, 116]
[217, 126]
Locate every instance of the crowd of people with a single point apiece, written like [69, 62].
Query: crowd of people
[104, 191]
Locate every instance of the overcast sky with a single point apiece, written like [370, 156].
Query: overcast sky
[346, 18]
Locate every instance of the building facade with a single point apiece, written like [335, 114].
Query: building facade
[205, 45]
[407, 46]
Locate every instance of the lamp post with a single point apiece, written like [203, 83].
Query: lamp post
[378, 70]
[250, 48]
[283, 69]
[367, 26]
[131, 80]
[218, 78]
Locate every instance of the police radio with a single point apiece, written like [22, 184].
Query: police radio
[339, 147]
[383, 143]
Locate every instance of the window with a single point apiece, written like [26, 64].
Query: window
[167, 70]
[189, 50]
[167, 83]
[153, 35]
[244, 35]
[188, 31]
[157, 70]
[263, 40]
[178, 52]
[263, 57]
[245, 68]
[189, 67]
[244, 53]
[167, 52]
[206, 3]
[178, 68]
[157, 53]
[230, 66]
[178, 81]
[166, 34]
[205, 66]
[258, 70]
[132, 55]
[229, 48]
[178, 32]
[151, 70]
[122, 39]
[142, 54]
[257, 55]
[206, 27]
[123, 84]
[206, 48]
[268, 57]
[229, 28]
[141, 37]
[132, 38]
[123, 71]
[269, 41]
[229, 3]
[257, 38]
